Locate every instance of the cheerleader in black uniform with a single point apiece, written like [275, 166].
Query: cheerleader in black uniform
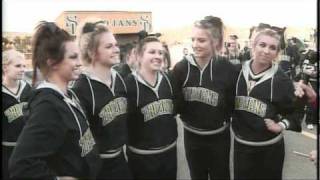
[264, 107]
[152, 152]
[102, 93]
[15, 93]
[56, 141]
[206, 85]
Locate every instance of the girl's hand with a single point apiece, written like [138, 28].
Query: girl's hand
[313, 156]
[273, 126]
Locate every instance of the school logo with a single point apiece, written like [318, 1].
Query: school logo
[201, 94]
[15, 111]
[157, 108]
[251, 105]
[113, 109]
[86, 143]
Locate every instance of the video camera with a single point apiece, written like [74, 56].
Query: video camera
[307, 70]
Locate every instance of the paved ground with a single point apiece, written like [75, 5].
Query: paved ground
[295, 167]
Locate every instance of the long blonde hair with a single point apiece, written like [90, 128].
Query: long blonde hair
[216, 28]
[89, 39]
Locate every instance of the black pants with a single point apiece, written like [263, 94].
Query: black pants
[258, 162]
[154, 166]
[208, 155]
[6, 153]
[115, 168]
[311, 113]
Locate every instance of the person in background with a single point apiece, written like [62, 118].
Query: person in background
[233, 49]
[309, 76]
[245, 52]
[131, 59]
[205, 96]
[7, 44]
[224, 52]
[102, 94]
[185, 52]
[15, 94]
[56, 141]
[129, 65]
[152, 128]
[167, 58]
[311, 96]
[303, 90]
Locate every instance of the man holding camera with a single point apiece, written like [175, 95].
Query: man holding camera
[309, 76]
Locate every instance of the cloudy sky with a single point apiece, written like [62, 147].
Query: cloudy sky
[23, 15]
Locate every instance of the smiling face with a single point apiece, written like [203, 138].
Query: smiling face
[108, 52]
[265, 49]
[202, 43]
[69, 68]
[151, 58]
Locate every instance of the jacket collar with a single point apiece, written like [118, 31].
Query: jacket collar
[46, 84]
[22, 85]
[264, 76]
[191, 59]
[72, 100]
[141, 80]
[95, 78]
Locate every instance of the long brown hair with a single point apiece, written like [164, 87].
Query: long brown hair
[48, 43]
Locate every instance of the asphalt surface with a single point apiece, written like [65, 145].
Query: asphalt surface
[295, 167]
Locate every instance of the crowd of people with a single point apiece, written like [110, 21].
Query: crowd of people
[93, 114]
